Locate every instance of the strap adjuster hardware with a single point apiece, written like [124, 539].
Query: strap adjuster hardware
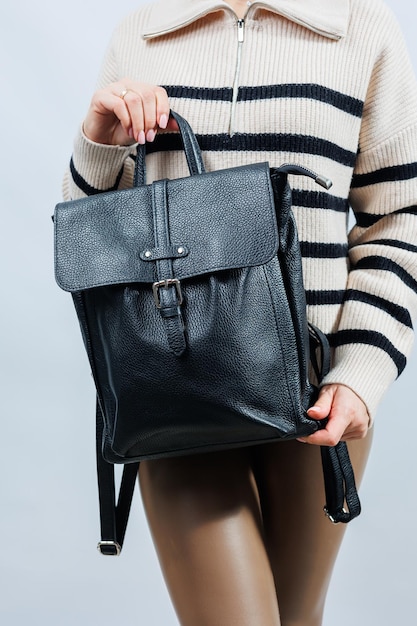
[331, 518]
[109, 548]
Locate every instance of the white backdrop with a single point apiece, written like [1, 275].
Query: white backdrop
[51, 574]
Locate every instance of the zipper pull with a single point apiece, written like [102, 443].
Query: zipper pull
[241, 31]
[299, 170]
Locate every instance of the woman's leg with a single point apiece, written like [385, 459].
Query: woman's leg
[204, 516]
[302, 543]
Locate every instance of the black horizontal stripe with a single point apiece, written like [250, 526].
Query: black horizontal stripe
[313, 250]
[319, 200]
[88, 189]
[364, 220]
[338, 297]
[323, 297]
[386, 174]
[372, 338]
[393, 243]
[409, 210]
[382, 263]
[308, 91]
[394, 310]
[259, 142]
[218, 94]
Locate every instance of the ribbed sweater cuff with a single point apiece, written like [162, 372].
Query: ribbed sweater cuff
[99, 164]
[366, 369]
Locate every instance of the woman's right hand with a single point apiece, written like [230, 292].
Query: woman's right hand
[126, 112]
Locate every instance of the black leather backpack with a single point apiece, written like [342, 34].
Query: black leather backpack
[191, 303]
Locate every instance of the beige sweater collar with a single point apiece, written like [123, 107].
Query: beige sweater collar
[325, 17]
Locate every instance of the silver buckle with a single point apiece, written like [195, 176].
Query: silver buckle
[109, 548]
[165, 284]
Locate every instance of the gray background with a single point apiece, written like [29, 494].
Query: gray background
[50, 573]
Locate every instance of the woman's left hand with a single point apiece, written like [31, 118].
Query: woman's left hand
[346, 412]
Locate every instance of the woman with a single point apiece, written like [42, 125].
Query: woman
[326, 84]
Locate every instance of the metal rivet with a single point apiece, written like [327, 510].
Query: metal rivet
[148, 254]
[180, 250]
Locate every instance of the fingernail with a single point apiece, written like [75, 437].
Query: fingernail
[150, 135]
[163, 121]
[141, 137]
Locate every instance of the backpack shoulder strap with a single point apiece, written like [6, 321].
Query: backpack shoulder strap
[339, 479]
[113, 518]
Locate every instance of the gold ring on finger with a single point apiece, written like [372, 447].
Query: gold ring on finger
[123, 93]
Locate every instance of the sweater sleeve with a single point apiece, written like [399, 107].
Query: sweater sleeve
[94, 167]
[375, 334]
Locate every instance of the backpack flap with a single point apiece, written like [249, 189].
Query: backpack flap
[216, 221]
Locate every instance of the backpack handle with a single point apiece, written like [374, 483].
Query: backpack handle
[191, 149]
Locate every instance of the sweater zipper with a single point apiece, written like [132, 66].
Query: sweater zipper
[240, 40]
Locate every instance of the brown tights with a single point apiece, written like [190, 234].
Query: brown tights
[241, 536]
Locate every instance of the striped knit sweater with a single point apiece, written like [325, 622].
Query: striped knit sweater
[326, 84]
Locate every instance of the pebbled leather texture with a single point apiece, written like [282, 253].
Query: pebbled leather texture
[216, 355]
